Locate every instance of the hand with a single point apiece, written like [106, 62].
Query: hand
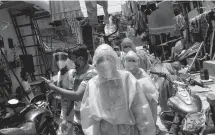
[49, 82]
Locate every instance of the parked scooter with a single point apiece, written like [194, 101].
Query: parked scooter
[187, 115]
[39, 119]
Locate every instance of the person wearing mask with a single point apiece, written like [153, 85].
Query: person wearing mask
[148, 87]
[128, 45]
[63, 80]
[113, 102]
[82, 73]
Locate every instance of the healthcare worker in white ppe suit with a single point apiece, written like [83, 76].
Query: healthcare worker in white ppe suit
[64, 77]
[113, 103]
[131, 63]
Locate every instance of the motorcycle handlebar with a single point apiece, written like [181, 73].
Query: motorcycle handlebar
[26, 108]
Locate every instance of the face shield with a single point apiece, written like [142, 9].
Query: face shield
[127, 45]
[105, 60]
[131, 61]
[61, 59]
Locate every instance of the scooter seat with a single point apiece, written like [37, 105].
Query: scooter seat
[27, 128]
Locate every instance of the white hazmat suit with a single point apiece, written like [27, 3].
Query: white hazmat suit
[147, 85]
[113, 103]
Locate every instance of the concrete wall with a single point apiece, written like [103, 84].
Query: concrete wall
[10, 33]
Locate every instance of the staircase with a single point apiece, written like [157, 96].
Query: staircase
[40, 60]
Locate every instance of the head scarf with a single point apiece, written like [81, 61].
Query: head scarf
[128, 42]
[105, 61]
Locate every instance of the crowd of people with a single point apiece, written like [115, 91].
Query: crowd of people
[113, 95]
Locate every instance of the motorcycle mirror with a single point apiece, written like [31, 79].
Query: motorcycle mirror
[13, 101]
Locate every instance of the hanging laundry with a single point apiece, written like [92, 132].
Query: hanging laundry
[76, 29]
[199, 25]
[140, 24]
[180, 22]
[91, 7]
[134, 7]
[129, 8]
[65, 9]
[126, 9]
[163, 19]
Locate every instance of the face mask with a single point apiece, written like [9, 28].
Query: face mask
[105, 69]
[61, 64]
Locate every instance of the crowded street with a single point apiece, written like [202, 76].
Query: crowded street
[123, 67]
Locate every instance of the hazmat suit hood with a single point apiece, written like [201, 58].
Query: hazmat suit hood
[105, 61]
[131, 61]
[127, 45]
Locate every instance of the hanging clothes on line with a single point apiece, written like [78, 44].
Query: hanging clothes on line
[68, 11]
[163, 19]
[199, 25]
[91, 7]
[140, 23]
[129, 8]
[65, 9]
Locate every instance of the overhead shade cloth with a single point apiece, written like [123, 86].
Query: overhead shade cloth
[65, 9]
[163, 19]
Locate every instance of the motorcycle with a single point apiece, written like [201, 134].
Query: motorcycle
[36, 118]
[10, 113]
[187, 115]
